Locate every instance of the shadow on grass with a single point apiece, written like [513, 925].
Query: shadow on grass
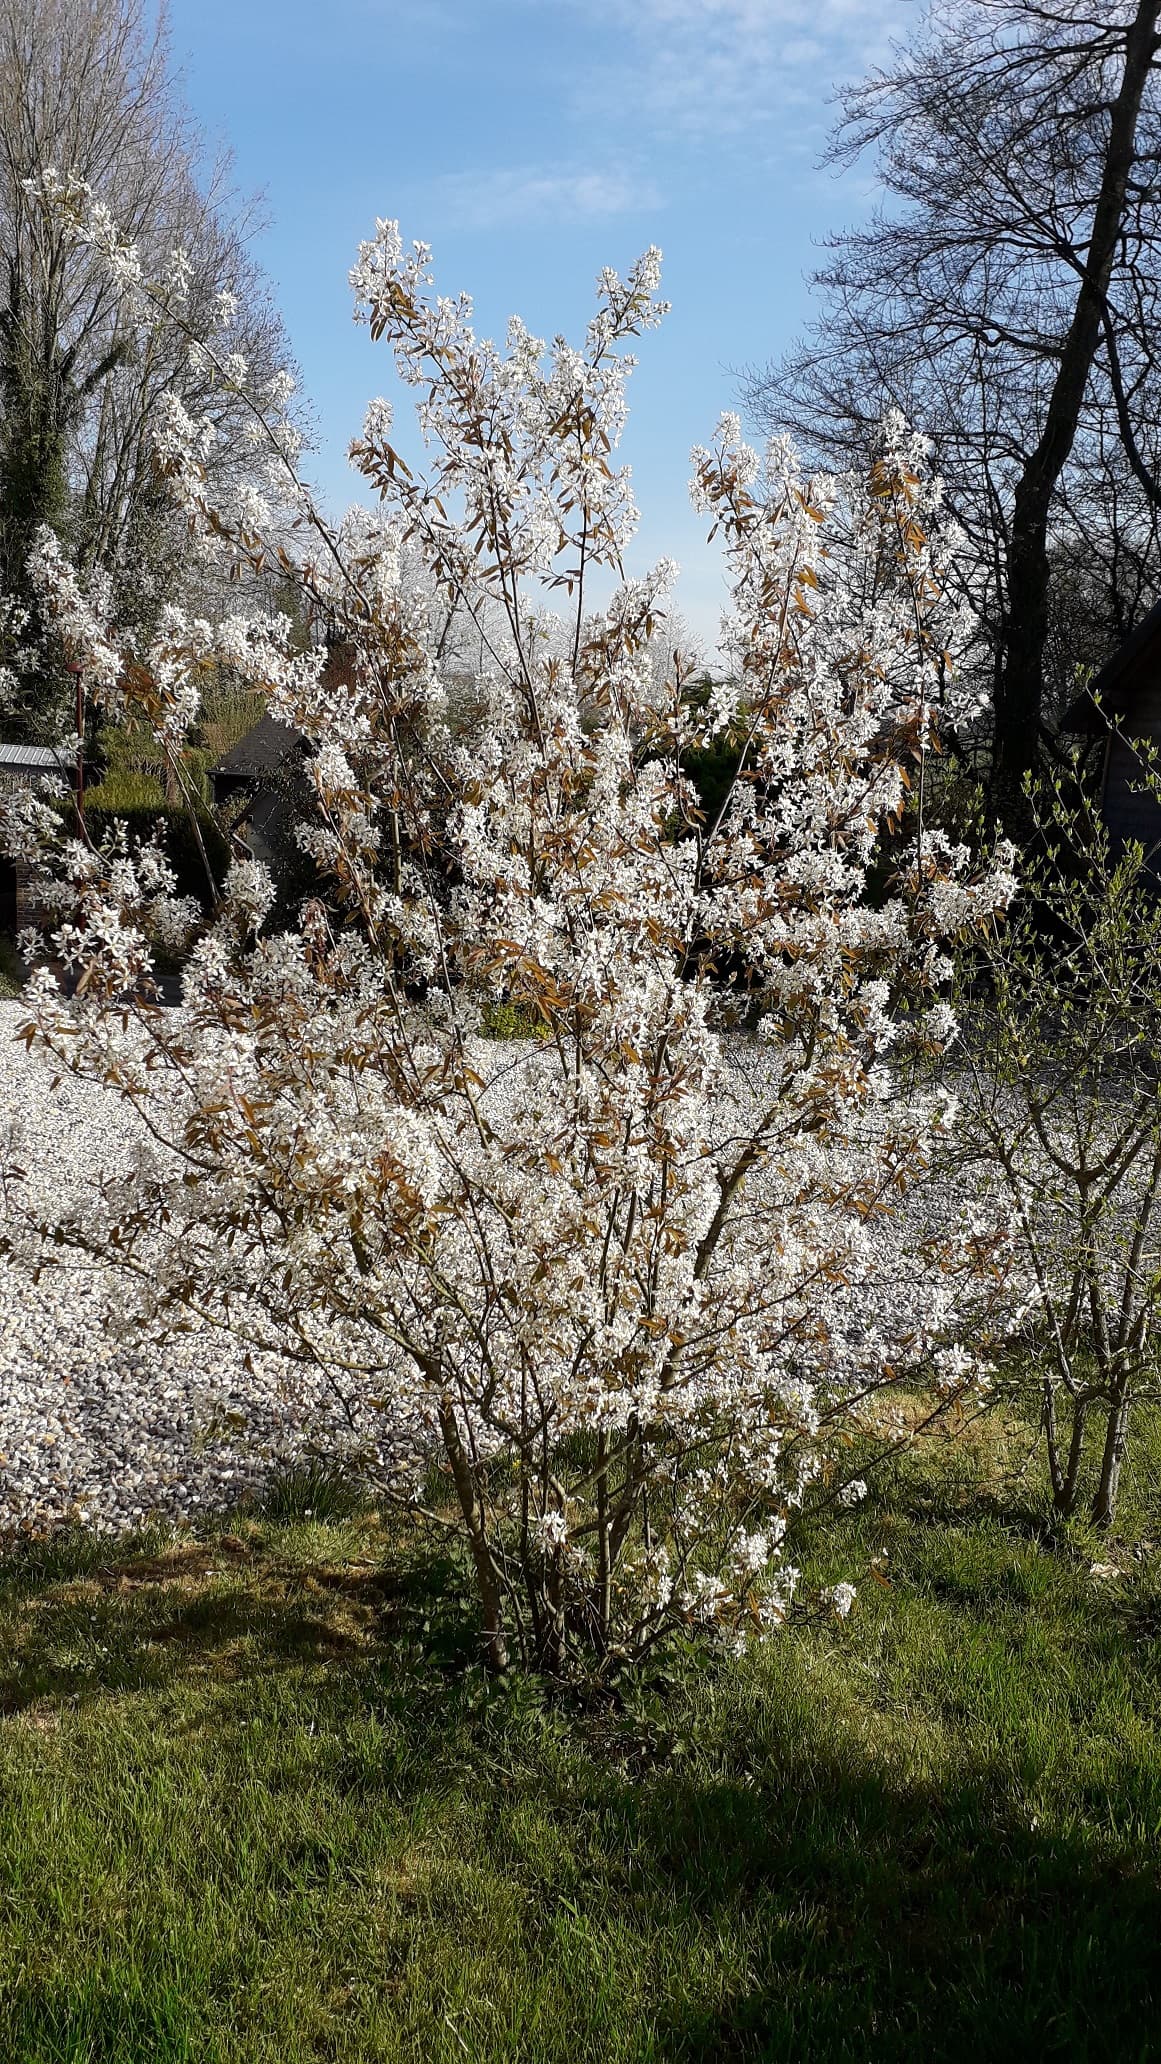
[85, 1620]
[775, 1885]
[888, 1922]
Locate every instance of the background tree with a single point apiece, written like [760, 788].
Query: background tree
[87, 94]
[1059, 1114]
[1005, 298]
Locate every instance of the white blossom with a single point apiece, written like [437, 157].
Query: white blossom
[841, 1597]
[616, 1276]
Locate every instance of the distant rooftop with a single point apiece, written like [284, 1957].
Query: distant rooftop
[38, 758]
[262, 752]
[1109, 694]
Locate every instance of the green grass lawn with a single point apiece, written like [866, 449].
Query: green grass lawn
[254, 1806]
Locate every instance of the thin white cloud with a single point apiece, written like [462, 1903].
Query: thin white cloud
[728, 67]
[507, 195]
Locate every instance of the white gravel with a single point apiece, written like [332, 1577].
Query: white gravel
[110, 1433]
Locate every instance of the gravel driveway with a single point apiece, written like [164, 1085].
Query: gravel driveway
[96, 1429]
[106, 1430]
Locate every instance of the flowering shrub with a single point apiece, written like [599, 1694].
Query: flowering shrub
[619, 1278]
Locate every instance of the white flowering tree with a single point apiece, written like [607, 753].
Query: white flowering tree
[617, 1286]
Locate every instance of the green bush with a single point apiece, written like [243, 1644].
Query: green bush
[126, 788]
[512, 1021]
[713, 771]
[10, 975]
[178, 838]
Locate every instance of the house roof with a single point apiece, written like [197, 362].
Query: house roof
[1137, 646]
[262, 752]
[1113, 686]
[267, 748]
[46, 759]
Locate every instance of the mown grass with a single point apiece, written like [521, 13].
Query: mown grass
[258, 1805]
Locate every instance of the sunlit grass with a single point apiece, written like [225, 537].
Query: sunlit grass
[258, 1805]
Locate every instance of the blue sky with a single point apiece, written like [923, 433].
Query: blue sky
[531, 142]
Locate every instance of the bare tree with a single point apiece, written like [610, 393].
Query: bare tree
[1057, 1079]
[87, 91]
[1005, 296]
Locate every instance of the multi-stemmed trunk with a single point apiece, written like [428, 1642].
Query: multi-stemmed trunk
[1064, 1469]
[494, 1638]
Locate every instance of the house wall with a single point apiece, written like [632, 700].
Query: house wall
[20, 902]
[1130, 812]
[30, 907]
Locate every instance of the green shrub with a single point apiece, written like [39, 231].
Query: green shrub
[10, 976]
[124, 789]
[178, 838]
[713, 772]
[512, 1021]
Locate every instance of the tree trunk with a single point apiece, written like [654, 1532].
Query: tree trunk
[495, 1641]
[1066, 1476]
[1116, 1440]
[1026, 610]
[604, 1597]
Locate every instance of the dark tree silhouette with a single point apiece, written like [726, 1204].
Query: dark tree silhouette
[1005, 296]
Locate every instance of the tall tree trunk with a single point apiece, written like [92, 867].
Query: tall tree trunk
[1026, 612]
